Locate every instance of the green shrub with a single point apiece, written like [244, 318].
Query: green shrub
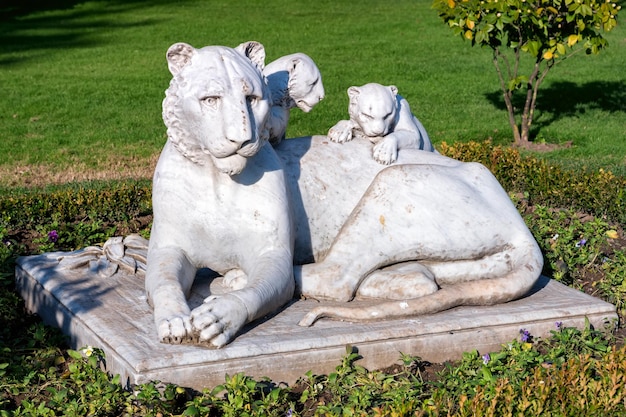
[104, 202]
[599, 193]
[582, 386]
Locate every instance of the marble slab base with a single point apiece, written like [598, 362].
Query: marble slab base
[112, 314]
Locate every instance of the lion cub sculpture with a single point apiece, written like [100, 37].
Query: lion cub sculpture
[423, 235]
[294, 81]
[384, 117]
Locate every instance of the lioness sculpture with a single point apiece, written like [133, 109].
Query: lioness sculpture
[382, 116]
[426, 234]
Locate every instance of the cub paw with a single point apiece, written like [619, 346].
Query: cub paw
[341, 132]
[218, 319]
[386, 152]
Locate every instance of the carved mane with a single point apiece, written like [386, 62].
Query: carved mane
[182, 140]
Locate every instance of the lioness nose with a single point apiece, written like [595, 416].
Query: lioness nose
[239, 128]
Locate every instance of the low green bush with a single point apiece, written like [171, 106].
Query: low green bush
[105, 202]
[599, 193]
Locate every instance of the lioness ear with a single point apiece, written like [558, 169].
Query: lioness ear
[178, 56]
[255, 51]
[353, 92]
[394, 89]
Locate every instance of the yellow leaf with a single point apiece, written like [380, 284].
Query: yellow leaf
[571, 40]
[468, 34]
[611, 234]
[547, 55]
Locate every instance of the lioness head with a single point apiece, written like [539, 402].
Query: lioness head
[373, 107]
[216, 105]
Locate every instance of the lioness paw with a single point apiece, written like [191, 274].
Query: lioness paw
[341, 132]
[174, 330]
[235, 279]
[218, 319]
[386, 152]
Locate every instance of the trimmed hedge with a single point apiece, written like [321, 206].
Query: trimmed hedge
[108, 202]
[601, 193]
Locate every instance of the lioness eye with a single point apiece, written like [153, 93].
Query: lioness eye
[211, 101]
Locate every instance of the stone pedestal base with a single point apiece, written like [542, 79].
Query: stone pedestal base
[112, 314]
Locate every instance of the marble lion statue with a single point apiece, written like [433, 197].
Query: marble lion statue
[294, 81]
[384, 117]
[308, 218]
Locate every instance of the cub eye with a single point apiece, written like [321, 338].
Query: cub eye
[253, 100]
[211, 101]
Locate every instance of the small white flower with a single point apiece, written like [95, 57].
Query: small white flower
[88, 351]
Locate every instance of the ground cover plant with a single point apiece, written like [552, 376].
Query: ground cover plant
[83, 83]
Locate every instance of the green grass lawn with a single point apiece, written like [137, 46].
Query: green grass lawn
[82, 85]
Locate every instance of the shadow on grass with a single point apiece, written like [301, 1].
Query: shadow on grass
[567, 99]
[10, 9]
[73, 28]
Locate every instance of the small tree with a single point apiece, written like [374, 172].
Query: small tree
[548, 30]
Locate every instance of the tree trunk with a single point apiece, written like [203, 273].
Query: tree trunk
[507, 95]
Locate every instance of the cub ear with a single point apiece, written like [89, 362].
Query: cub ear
[394, 89]
[254, 51]
[353, 92]
[294, 64]
[178, 56]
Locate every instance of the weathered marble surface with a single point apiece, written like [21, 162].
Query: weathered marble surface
[112, 313]
[423, 235]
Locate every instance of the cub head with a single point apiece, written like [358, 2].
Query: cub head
[217, 104]
[373, 107]
[305, 86]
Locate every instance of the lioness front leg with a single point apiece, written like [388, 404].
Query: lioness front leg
[270, 285]
[169, 277]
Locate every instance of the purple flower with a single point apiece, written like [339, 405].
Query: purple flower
[581, 243]
[486, 358]
[559, 325]
[53, 236]
[289, 413]
[524, 335]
